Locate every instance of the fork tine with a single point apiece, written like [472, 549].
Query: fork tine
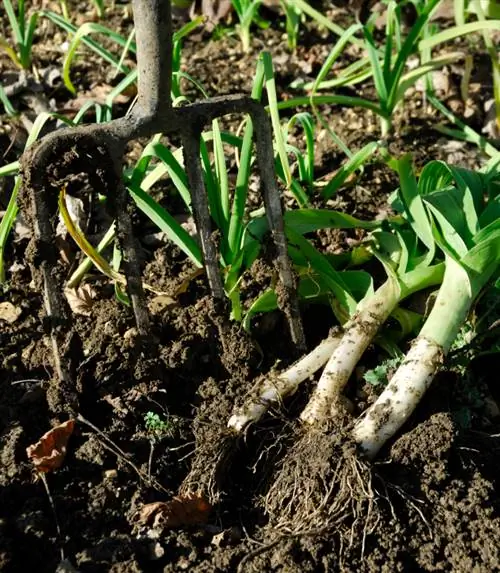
[192, 161]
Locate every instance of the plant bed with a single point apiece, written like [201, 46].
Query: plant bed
[153, 479]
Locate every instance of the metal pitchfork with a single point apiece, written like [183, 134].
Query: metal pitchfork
[92, 156]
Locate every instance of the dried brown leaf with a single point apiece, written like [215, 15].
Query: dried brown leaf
[160, 303]
[81, 299]
[49, 452]
[182, 510]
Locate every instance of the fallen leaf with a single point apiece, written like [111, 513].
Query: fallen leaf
[160, 303]
[182, 510]
[9, 312]
[81, 299]
[21, 229]
[49, 452]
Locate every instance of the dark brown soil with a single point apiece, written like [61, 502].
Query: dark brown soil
[431, 502]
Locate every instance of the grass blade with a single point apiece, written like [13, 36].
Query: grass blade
[323, 20]
[235, 231]
[465, 132]
[351, 101]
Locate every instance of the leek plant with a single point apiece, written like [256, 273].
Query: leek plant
[460, 211]
[82, 35]
[274, 388]
[483, 10]
[293, 16]
[451, 213]
[410, 267]
[359, 308]
[23, 29]
[462, 131]
[391, 83]
[319, 280]
[248, 14]
[361, 330]
[241, 233]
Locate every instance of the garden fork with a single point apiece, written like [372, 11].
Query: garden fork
[92, 156]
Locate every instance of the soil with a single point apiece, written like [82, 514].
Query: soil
[430, 503]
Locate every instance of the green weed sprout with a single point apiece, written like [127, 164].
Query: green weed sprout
[156, 427]
[23, 29]
[157, 430]
[459, 210]
[379, 375]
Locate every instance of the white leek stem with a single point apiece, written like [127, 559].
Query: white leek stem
[272, 391]
[406, 388]
[358, 334]
[400, 398]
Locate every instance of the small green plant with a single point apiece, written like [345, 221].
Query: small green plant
[380, 374]
[158, 428]
[293, 16]
[23, 29]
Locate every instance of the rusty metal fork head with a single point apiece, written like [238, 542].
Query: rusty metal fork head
[93, 154]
